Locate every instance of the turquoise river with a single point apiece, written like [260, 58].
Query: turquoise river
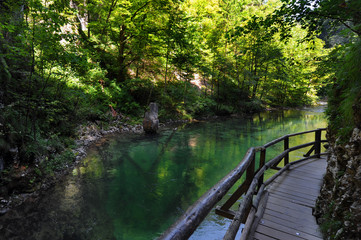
[135, 186]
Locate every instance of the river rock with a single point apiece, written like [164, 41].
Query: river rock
[151, 122]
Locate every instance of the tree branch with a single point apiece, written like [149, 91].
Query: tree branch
[112, 6]
[138, 10]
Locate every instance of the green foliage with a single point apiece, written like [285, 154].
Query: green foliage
[344, 103]
[58, 162]
[330, 225]
[64, 63]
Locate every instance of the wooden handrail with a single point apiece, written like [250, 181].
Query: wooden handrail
[195, 214]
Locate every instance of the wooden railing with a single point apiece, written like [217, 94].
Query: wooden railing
[253, 185]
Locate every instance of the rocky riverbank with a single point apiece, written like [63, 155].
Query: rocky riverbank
[26, 183]
[22, 184]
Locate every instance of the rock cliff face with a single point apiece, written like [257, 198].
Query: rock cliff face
[339, 205]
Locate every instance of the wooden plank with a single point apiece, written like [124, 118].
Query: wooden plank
[292, 230]
[299, 189]
[290, 212]
[260, 236]
[303, 177]
[298, 200]
[288, 221]
[276, 233]
[296, 182]
[316, 168]
[294, 194]
[313, 186]
[288, 195]
[311, 168]
[290, 204]
[302, 221]
[307, 174]
[310, 164]
[315, 172]
[297, 186]
[309, 229]
[290, 182]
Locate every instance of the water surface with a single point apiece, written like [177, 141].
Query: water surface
[135, 187]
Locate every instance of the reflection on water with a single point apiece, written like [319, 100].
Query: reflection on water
[134, 187]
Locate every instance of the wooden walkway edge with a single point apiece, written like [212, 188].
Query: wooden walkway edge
[291, 199]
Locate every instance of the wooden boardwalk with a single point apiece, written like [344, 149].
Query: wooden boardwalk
[292, 196]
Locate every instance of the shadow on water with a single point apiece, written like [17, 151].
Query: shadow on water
[134, 187]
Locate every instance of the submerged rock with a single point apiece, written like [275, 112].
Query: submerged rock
[151, 122]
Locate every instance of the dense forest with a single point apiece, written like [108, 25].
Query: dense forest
[64, 63]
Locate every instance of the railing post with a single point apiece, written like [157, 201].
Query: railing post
[224, 210]
[286, 145]
[250, 170]
[262, 161]
[318, 142]
[249, 178]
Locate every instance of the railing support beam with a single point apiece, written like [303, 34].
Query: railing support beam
[286, 145]
[318, 142]
[262, 162]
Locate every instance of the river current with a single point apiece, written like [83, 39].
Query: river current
[135, 186]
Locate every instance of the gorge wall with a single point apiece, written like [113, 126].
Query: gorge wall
[339, 206]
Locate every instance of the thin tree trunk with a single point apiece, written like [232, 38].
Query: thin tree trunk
[256, 79]
[166, 66]
[265, 80]
[121, 57]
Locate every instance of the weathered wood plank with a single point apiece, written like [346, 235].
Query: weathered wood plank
[302, 177]
[291, 205]
[298, 200]
[314, 168]
[306, 174]
[291, 230]
[311, 163]
[305, 227]
[299, 221]
[294, 194]
[304, 216]
[260, 236]
[299, 190]
[276, 233]
[295, 182]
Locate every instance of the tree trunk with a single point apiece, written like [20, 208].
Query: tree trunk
[166, 66]
[121, 57]
[256, 79]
